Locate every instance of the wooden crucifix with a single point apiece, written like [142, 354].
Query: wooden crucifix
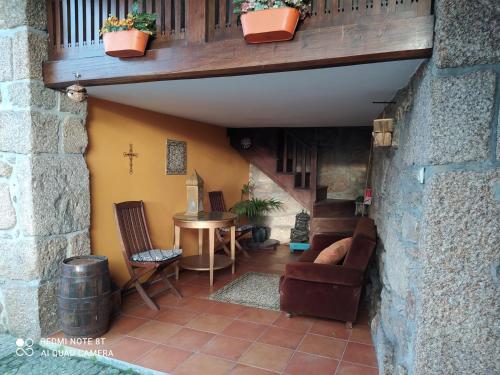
[131, 155]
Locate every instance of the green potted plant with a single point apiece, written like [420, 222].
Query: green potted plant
[265, 21]
[255, 209]
[128, 37]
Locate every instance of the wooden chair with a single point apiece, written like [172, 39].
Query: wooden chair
[140, 256]
[217, 204]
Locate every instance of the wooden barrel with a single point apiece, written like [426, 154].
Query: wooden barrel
[84, 296]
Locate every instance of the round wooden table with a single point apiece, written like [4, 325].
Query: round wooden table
[210, 221]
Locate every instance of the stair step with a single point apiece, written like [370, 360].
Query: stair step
[334, 208]
[321, 193]
[333, 224]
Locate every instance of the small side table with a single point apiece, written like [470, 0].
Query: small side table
[210, 221]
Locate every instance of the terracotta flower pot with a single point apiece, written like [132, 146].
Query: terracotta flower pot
[125, 43]
[270, 25]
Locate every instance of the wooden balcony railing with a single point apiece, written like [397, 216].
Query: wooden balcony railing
[74, 25]
[328, 13]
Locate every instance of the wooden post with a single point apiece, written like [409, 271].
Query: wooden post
[200, 241]
[285, 152]
[196, 21]
[177, 237]
[50, 23]
[424, 7]
[314, 172]
[210, 20]
[233, 246]
[211, 236]
[97, 25]
[303, 167]
[294, 157]
[362, 7]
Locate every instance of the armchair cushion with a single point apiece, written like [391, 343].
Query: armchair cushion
[320, 241]
[239, 228]
[324, 273]
[156, 255]
[334, 253]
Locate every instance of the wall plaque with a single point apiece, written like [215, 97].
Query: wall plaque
[176, 157]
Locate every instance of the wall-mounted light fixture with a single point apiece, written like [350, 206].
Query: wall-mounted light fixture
[382, 132]
[246, 143]
[76, 92]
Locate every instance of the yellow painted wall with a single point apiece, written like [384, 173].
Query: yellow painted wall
[111, 127]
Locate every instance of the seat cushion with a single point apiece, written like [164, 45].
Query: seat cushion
[239, 228]
[156, 255]
[334, 253]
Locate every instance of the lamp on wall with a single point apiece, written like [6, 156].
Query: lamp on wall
[76, 92]
[383, 128]
[246, 143]
[382, 132]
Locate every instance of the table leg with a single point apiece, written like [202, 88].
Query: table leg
[211, 235]
[233, 245]
[200, 241]
[177, 237]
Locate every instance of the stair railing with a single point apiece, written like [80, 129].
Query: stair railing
[303, 155]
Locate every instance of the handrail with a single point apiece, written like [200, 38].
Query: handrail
[308, 161]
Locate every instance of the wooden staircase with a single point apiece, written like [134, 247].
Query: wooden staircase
[298, 159]
[291, 161]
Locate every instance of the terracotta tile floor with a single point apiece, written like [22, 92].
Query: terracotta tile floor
[195, 335]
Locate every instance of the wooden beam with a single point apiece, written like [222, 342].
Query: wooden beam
[196, 25]
[330, 46]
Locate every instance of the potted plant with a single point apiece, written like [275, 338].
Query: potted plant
[270, 20]
[128, 37]
[255, 209]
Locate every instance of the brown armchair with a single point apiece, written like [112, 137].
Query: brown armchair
[324, 290]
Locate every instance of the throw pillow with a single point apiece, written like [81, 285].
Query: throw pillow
[335, 252]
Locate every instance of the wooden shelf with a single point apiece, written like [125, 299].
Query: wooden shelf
[202, 262]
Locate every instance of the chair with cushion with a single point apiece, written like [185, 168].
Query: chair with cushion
[140, 256]
[329, 290]
[217, 205]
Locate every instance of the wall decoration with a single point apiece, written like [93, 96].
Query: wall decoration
[176, 157]
[130, 155]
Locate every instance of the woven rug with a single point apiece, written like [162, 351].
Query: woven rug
[253, 289]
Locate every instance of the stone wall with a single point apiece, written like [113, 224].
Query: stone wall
[44, 187]
[280, 221]
[342, 160]
[435, 286]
